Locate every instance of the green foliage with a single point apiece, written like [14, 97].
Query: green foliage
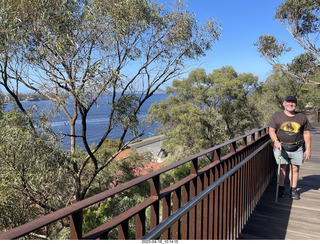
[305, 66]
[119, 172]
[206, 110]
[33, 176]
[301, 19]
[36, 177]
[87, 48]
[81, 50]
[109, 209]
[2, 97]
[270, 48]
[125, 114]
[302, 16]
[279, 85]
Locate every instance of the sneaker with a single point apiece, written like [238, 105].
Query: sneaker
[281, 192]
[294, 194]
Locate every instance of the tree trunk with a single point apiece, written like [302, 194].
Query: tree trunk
[73, 128]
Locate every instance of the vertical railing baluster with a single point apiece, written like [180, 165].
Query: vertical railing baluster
[254, 176]
[216, 205]
[247, 190]
[186, 217]
[193, 193]
[166, 207]
[140, 224]
[194, 167]
[229, 201]
[253, 138]
[123, 230]
[244, 142]
[76, 226]
[205, 222]
[259, 134]
[211, 207]
[176, 198]
[154, 209]
[216, 210]
[225, 202]
[237, 197]
[233, 147]
[199, 209]
[232, 200]
[241, 186]
[221, 191]
[217, 155]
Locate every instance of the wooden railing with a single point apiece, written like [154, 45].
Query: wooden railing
[220, 215]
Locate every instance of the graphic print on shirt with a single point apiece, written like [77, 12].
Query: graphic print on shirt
[290, 128]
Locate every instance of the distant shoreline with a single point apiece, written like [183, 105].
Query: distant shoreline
[33, 97]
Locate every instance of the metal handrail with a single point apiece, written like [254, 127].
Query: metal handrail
[74, 211]
[164, 225]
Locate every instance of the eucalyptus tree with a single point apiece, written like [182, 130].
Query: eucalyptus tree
[33, 179]
[2, 99]
[301, 20]
[85, 49]
[11, 55]
[207, 109]
[272, 91]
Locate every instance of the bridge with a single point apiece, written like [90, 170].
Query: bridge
[290, 219]
[228, 194]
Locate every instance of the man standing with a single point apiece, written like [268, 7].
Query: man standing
[290, 133]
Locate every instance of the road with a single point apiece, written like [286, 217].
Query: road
[152, 145]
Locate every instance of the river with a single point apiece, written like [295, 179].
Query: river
[97, 120]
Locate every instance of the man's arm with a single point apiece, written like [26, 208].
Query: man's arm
[307, 139]
[274, 138]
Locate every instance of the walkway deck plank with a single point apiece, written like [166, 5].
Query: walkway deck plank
[287, 219]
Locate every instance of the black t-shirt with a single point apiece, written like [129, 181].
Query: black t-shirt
[289, 129]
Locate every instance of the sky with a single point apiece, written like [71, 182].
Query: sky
[242, 22]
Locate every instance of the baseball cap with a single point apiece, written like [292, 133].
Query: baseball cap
[291, 98]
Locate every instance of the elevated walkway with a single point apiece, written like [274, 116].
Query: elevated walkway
[230, 197]
[290, 219]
